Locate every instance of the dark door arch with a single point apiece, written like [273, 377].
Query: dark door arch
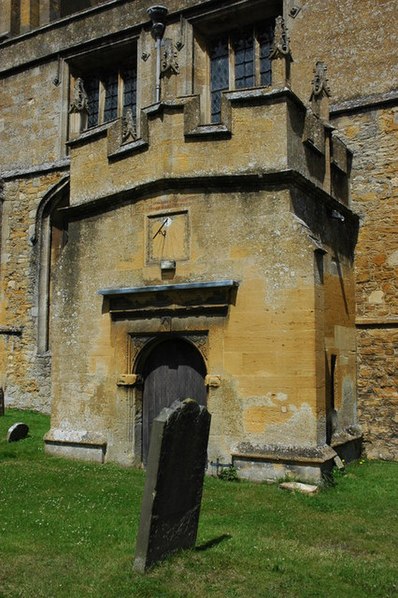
[174, 369]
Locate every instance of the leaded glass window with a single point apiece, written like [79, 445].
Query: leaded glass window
[219, 75]
[239, 60]
[111, 94]
[265, 38]
[91, 85]
[130, 90]
[243, 45]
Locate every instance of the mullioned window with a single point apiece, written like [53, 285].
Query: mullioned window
[238, 60]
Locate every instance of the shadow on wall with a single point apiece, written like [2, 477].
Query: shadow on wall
[68, 7]
[339, 232]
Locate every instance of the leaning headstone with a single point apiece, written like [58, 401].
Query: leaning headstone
[1, 402]
[18, 431]
[174, 482]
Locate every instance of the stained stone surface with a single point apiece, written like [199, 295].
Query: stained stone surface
[17, 431]
[173, 488]
[1, 402]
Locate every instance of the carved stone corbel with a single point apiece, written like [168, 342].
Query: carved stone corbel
[320, 91]
[129, 380]
[214, 381]
[281, 44]
[169, 63]
[280, 54]
[78, 108]
[320, 83]
[80, 99]
[129, 129]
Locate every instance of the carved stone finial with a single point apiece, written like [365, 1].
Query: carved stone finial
[320, 83]
[169, 63]
[281, 44]
[80, 98]
[129, 130]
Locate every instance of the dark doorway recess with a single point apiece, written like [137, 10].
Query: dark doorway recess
[174, 369]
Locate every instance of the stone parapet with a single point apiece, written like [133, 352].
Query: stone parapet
[259, 134]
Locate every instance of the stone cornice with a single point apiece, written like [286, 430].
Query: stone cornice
[280, 179]
[61, 22]
[131, 20]
[40, 169]
[364, 103]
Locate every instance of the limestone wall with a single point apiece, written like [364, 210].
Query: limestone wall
[377, 390]
[31, 119]
[373, 134]
[355, 38]
[271, 389]
[25, 375]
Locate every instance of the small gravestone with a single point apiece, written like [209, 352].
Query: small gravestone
[173, 487]
[1, 402]
[18, 431]
[299, 487]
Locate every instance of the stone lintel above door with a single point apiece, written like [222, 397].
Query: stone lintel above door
[210, 298]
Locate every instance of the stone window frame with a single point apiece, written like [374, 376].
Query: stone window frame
[101, 63]
[227, 24]
[231, 41]
[104, 90]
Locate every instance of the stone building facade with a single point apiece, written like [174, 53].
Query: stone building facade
[200, 199]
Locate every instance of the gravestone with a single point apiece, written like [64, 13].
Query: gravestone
[1, 402]
[174, 482]
[18, 431]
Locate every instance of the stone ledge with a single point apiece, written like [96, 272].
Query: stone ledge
[83, 451]
[263, 95]
[291, 454]
[38, 170]
[376, 322]
[89, 135]
[279, 179]
[212, 131]
[194, 297]
[74, 437]
[365, 103]
[139, 145]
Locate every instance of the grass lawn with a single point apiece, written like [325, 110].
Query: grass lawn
[68, 529]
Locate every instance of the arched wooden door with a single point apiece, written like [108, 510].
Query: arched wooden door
[174, 369]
